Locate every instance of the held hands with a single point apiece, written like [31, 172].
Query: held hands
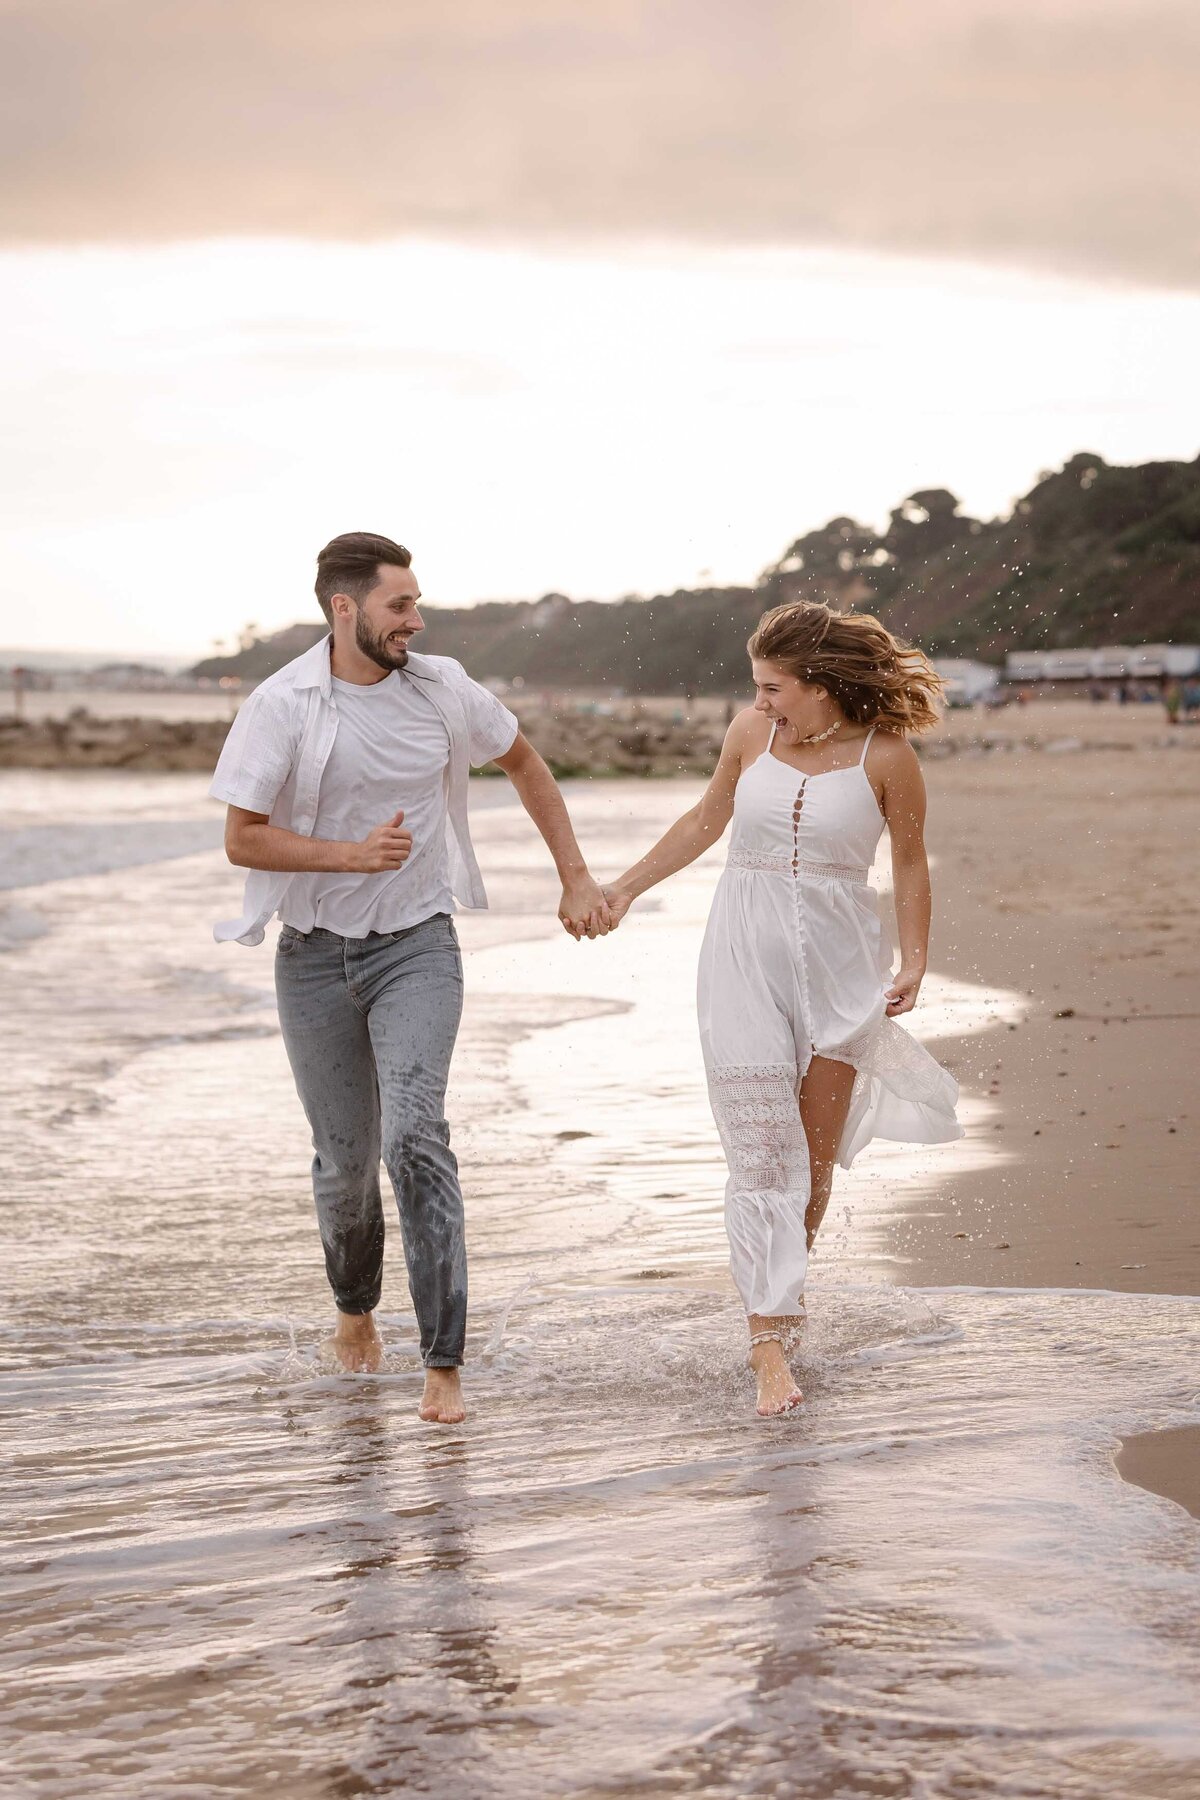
[901, 996]
[583, 910]
[613, 905]
[389, 846]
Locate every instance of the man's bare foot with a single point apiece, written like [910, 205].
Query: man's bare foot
[355, 1346]
[442, 1402]
[777, 1390]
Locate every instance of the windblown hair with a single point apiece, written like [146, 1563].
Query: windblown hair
[875, 678]
[350, 565]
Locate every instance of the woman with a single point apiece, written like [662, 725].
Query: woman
[798, 1006]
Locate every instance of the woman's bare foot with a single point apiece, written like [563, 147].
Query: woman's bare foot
[355, 1346]
[777, 1390]
[442, 1402]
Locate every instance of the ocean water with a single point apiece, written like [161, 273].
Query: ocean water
[227, 1571]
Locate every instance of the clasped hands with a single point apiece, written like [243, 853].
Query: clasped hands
[589, 910]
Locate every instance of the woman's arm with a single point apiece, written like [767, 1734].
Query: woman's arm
[697, 829]
[904, 810]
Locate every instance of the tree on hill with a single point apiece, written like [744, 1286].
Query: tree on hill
[1094, 553]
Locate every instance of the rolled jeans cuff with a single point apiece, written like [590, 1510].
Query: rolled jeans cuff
[366, 1305]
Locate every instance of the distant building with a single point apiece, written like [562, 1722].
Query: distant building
[966, 681]
[1108, 667]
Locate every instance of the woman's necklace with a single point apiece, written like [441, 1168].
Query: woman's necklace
[820, 736]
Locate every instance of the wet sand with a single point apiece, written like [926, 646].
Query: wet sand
[1075, 879]
[1166, 1463]
[230, 1571]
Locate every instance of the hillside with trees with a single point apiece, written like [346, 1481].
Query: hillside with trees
[1093, 554]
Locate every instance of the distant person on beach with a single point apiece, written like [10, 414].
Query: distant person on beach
[797, 1001]
[345, 775]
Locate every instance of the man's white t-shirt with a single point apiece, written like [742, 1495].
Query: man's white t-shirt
[389, 756]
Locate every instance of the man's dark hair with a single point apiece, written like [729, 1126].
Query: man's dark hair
[350, 565]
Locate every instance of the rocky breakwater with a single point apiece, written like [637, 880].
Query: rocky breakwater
[640, 739]
[83, 741]
[648, 741]
[649, 738]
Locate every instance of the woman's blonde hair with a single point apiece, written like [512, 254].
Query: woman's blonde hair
[874, 678]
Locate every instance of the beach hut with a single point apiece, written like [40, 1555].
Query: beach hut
[1109, 666]
[967, 682]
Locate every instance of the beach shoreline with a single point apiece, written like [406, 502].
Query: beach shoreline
[1166, 1463]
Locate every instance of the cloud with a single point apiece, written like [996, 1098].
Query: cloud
[1058, 134]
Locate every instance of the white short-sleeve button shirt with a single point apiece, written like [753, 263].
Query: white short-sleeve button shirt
[389, 756]
[331, 759]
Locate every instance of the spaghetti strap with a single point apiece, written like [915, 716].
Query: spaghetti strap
[866, 746]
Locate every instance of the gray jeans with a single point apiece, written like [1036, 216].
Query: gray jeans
[369, 1025]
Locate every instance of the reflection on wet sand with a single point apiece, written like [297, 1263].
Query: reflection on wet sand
[408, 1666]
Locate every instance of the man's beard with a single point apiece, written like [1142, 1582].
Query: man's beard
[385, 655]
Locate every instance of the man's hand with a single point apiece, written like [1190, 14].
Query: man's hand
[583, 910]
[389, 846]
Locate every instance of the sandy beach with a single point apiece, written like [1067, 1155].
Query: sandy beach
[229, 1570]
[1073, 879]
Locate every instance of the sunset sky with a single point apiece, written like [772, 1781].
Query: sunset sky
[603, 300]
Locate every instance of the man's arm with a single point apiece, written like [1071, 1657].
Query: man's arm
[251, 842]
[582, 909]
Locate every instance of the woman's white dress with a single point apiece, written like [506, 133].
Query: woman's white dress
[795, 964]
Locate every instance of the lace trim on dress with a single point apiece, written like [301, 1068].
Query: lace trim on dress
[782, 865]
[758, 859]
[883, 1048]
[886, 1051]
[758, 1117]
[751, 1072]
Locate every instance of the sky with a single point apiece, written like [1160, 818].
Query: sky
[599, 300]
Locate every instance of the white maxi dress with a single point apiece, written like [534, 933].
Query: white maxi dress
[795, 964]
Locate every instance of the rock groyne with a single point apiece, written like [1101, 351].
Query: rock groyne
[83, 741]
[573, 743]
[654, 738]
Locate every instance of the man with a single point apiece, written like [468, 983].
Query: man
[345, 777]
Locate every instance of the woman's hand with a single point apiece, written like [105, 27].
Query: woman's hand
[618, 904]
[901, 997]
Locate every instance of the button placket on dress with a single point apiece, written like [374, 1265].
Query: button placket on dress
[798, 914]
